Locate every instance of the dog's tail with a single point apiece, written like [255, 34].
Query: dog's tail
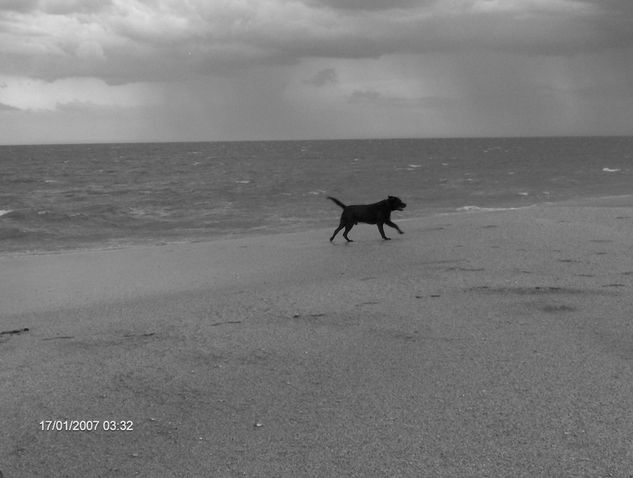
[336, 201]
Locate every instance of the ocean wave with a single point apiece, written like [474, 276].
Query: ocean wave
[486, 209]
[32, 215]
[149, 212]
[11, 233]
[21, 180]
[45, 216]
[58, 197]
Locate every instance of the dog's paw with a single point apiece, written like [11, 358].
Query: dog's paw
[401, 232]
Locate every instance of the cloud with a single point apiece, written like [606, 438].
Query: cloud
[366, 96]
[37, 95]
[69, 7]
[55, 7]
[133, 40]
[18, 5]
[369, 4]
[323, 78]
[376, 98]
[249, 69]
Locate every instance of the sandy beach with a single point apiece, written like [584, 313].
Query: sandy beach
[480, 343]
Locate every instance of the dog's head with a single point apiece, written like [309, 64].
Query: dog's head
[395, 204]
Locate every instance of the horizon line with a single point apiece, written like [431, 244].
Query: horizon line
[379, 138]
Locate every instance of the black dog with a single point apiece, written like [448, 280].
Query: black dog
[378, 213]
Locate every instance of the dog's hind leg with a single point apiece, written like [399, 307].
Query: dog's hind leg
[394, 225]
[336, 232]
[348, 227]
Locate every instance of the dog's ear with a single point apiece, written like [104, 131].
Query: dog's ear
[390, 197]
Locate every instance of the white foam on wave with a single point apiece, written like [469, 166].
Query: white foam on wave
[5, 211]
[609, 170]
[486, 209]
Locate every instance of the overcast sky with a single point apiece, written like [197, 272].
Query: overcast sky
[179, 70]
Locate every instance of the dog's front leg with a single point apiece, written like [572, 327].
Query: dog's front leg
[382, 232]
[394, 225]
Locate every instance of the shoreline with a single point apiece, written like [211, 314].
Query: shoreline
[620, 200]
[476, 344]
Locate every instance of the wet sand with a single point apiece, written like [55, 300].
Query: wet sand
[476, 344]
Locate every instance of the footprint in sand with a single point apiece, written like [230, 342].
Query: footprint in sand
[14, 332]
[556, 308]
[537, 290]
[5, 335]
[464, 269]
[307, 316]
[226, 322]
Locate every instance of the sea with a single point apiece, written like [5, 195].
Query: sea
[60, 197]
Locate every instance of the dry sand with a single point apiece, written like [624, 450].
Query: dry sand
[477, 344]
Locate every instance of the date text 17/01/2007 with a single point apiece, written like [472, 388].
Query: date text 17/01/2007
[87, 425]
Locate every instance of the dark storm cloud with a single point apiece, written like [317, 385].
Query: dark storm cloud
[152, 39]
[369, 4]
[70, 7]
[55, 7]
[379, 99]
[323, 77]
[245, 69]
[17, 5]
